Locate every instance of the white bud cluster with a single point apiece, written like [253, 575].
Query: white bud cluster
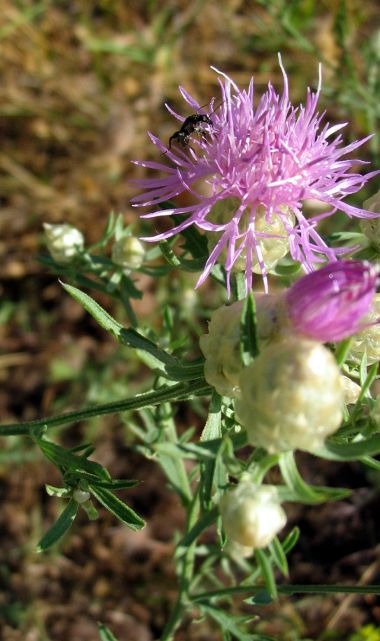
[221, 346]
[291, 396]
[251, 516]
[128, 252]
[64, 242]
[368, 340]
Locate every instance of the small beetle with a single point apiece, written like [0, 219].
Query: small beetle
[194, 124]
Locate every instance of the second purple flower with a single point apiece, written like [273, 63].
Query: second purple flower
[331, 303]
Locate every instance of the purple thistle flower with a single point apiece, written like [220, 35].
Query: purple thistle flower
[265, 161]
[330, 303]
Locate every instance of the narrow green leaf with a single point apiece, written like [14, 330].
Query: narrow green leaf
[350, 451]
[309, 494]
[342, 351]
[86, 449]
[238, 286]
[249, 345]
[368, 380]
[63, 458]
[129, 337]
[117, 507]
[102, 317]
[266, 572]
[172, 467]
[279, 556]
[186, 371]
[291, 540]
[60, 527]
[105, 634]
[371, 462]
[213, 426]
[230, 622]
[115, 484]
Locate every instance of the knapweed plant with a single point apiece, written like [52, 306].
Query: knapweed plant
[286, 368]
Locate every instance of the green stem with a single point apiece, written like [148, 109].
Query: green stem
[289, 590]
[172, 393]
[186, 576]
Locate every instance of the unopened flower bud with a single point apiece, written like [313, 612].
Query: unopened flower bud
[368, 340]
[221, 346]
[81, 496]
[330, 303]
[371, 226]
[64, 242]
[128, 252]
[291, 396]
[251, 515]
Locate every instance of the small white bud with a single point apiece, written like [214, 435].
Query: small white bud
[64, 242]
[368, 340]
[128, 252]
[291, 396]
[251, 516]
[81, 496]
[371, 226]
[221, 346]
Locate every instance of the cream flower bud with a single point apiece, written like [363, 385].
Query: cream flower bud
[371, 226]
[64, 242]
[291, 396]
[221, 346]
[251, 516]
[128, 252]
[368, 340]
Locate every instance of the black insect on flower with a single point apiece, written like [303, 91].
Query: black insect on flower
[194, 124]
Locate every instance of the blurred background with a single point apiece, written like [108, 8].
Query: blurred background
[81, 83]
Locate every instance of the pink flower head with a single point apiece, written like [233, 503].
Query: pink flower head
[330, 303]
[266, 161]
